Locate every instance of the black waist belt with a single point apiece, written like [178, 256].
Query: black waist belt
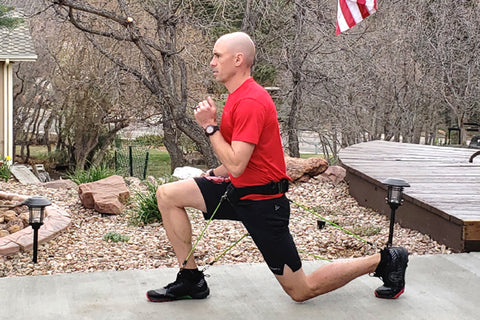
[235, 194]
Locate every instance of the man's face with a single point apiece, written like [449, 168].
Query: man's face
[222, 63]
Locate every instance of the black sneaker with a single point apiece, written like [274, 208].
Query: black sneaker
[189, 285]
[391, 270]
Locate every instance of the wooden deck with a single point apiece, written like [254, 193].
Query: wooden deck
[443, 199]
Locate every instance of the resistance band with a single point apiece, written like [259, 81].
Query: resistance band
[224, 252]
[333, 223]
[314, 255]
[204, 228]
[246, 234]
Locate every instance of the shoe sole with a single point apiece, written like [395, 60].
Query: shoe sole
[387, 297]
[200, 295]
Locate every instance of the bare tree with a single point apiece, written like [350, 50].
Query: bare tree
[75, 92]
[399, 75]
[161, 49]
[450, 55]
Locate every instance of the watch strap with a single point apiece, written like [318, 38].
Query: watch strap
[213, 128]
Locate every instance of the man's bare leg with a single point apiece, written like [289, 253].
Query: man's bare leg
[301, 287]
[172, 200]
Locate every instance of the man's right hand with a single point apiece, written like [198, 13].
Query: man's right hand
[206, 113]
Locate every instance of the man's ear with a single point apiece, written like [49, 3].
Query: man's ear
[239, 59]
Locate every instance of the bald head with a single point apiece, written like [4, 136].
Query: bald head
[240, 42]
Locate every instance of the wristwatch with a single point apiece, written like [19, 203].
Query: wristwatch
[211, 129]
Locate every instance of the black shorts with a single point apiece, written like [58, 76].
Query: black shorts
[265, 220]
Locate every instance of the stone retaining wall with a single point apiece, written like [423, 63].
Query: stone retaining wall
[56, 220]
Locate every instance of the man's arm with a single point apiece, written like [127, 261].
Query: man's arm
[220, 171]
[234, 157]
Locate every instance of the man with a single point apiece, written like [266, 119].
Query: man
[248, 145]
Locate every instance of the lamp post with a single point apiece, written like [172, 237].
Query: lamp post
[36, 208]
[394, 199]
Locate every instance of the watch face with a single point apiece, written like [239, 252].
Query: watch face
[209, 130]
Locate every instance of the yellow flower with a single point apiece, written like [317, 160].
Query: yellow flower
[8, 158]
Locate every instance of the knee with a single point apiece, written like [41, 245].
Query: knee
[162, 196]
[298, 295]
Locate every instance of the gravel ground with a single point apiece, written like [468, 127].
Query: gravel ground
[81, 248]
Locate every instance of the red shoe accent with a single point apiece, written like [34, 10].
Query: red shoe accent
[157, 301]
[394, 297]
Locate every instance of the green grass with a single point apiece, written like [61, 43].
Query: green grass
[310, 155]
[37, 152]
[158, 163]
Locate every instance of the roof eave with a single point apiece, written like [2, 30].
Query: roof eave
[19, 58]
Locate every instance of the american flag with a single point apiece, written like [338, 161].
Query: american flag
[351, 12]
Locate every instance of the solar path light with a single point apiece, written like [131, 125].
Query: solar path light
[394, 199]
[36, 208]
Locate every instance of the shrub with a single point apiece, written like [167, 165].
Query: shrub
[146, 209]
[115, 237]
[94, 173]
[265, 74]
[59, 156]
[5, 168]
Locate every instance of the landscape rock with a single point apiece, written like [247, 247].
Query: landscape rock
[14, 225]
[106, 195]
[24, 216]
[19, 209]
[133, 181]
[333, 174]
[14, 228]
[301, 170]
[187, 172]
[8, 215]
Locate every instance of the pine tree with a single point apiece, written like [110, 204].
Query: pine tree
[7, 21]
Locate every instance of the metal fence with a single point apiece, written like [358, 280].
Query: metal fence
[132, 161]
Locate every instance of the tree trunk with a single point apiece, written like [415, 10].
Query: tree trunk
[249, 19]
[293, 145]
[463, 132]
[297, 59]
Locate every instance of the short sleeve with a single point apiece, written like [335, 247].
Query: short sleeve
[249, 118]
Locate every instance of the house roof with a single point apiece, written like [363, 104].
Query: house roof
[17, 44]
